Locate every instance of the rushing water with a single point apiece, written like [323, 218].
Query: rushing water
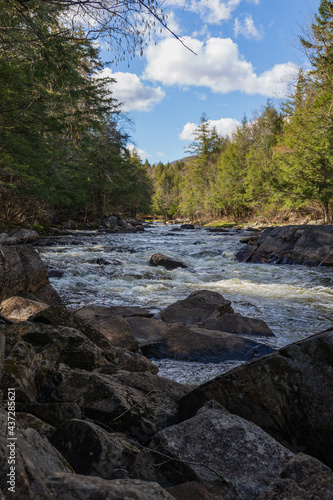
[295, 301]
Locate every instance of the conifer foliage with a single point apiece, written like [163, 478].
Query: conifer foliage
[61, 144]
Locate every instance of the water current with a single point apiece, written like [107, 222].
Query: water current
[295, 301]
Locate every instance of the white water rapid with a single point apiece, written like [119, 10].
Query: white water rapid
[295, 301]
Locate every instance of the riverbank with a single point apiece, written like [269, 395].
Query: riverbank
[95, 418]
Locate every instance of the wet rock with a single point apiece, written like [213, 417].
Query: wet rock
[114, 327]
[206, 346]
[222, 451]
[104, 262]
[35, 459]
[196, 308]
[147, 330]
[78, 487]
[55, 273]
[19, 309]
[139, 404]
[308, 245]
[236, 323]
[303, 477]
[162, 260]
[129, 312]
[93, 451]
[187, 226]
[288, 393]
[23, 273]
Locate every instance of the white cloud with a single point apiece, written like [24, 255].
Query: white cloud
[129, 90]
[217, 66]
[224, 127]
[211, 11]
[143, 154]
[247, 28]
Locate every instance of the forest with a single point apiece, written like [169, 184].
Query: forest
[64, 138]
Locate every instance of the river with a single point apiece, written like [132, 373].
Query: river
[295, 301]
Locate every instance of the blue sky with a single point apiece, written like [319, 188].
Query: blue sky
[247, 52]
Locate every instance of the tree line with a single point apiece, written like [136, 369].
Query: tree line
[64, 140]
[281, 158]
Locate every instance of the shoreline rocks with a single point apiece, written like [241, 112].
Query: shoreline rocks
[94, 420]
[307, 245]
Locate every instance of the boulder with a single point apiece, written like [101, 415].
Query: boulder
[187, 226]
[224, 452]
[308, 245]
[23, 273]
[78, 487]
[113, 326]
[19, 309]
[139, 404]
[236, 323]
[197, 307]
[206, 346]
[60, 316]
[288, 393]
[303, 477]
[27, 420]
[19, 372]
[162, 260]
[93, 451]
[35, 459]
[147, 330]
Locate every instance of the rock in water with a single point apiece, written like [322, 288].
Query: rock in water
[197, 307]
[162, 260]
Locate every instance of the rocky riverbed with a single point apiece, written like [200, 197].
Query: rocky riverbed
[93, 419]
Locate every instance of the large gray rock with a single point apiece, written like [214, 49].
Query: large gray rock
[197, 307]
[162, 260]
[236, 323]
[22, 272]
[94, 452]
[207, 346]
[139, 404]
[113, 326]
[78, 487]
[303, 478]
[288, 393]
[35, 459]
[223, 451]
[309, 245]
